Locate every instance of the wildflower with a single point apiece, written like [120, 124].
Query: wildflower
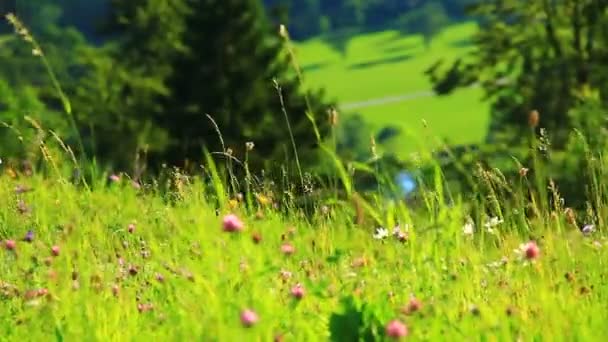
[285, 275]
[570, 216]
[114, 178]
[523, 171]
[257, 238]
[29, 236]
[588, 229]
[325, 210]
[498, 264]
[413, 306]
[263, 200]
[145, 253]
[249, 145]
[396, 330]
[22, 207]
[145, 307]
[288, 249]
[10, 244]
[532, 250]
[10, 172]
[233, 203]
[298, 291]
[468, 228]
[21, 189]
[36, 293]
[249, 318]
[133, 270]
[232, 223]
[131, 227]
[36, 52]
[381, 233]
[159, 277]
[529, 250]
[491, 223]
[401, 235]
[55, 250]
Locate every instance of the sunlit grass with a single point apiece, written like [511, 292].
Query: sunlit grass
[179, 275]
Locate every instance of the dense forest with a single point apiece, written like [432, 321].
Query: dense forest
[307, 18]
[304, 18]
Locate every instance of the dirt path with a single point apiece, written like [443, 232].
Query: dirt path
[386, 100]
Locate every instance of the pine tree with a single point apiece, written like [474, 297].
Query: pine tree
[234, 59]
[126, 80]
[534, 55]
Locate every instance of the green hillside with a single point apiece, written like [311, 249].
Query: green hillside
[381, 76]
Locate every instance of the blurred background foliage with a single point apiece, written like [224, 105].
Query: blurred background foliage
[145, 78]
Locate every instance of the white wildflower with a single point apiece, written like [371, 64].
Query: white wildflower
[498, 264]
[493, 222]
[381, 233]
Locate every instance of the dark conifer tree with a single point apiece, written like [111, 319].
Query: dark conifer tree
[234, 61]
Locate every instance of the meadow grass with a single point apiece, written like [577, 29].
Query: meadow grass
[389, 63]
[136, 263]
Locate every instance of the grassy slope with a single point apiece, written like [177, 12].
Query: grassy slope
[210, 275]
[395, 66]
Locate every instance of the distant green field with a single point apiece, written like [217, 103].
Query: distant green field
[384, 66]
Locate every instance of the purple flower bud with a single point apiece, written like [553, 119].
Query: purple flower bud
[29, 236]
[588, 229]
